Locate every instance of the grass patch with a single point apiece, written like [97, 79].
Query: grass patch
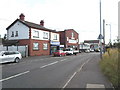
[109, 65]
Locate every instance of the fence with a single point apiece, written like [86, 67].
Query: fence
[22, 49]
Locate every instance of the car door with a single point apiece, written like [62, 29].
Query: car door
[11, 56]
[5, 57]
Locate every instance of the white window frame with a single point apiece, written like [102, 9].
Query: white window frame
[16, 35]
[45, 46]
[45, 35]
[35, 46]
[12, 34]
[55, 37]
[36, 34]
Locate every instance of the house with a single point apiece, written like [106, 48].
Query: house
[40, 40]
[69, 38]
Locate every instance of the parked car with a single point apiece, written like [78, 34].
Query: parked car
[10, 56]
[68, 51]
[59, 53]
[97, 50]
[71, 51]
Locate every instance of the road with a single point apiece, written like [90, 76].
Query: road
[76, 71]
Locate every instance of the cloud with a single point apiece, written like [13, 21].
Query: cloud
[81, 15]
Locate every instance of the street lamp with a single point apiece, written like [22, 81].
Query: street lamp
[110, 32]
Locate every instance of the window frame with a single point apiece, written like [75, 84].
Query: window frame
[45, 46]
[45, 35]
[12, 35]
[55, 37]
[35, 47]
[16, 35]
[36, 34]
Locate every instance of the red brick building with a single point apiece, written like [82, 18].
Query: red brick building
[38, 38]
[69, 38]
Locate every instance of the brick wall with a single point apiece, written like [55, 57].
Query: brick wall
[38, 52]
[67, 33]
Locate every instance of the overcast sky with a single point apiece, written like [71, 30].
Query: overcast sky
[80, 15]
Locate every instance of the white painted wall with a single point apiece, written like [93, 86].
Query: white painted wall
[41, 34]
[23, 31]
[52, 37]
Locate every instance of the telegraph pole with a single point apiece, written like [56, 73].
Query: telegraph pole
[100, 34]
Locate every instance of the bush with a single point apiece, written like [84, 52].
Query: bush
[109, 65]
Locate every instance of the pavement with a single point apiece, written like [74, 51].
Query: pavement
[93, 76]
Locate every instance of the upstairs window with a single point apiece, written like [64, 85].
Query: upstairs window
[36, 34]
[45, 35]
[16, 35]
[55, 36]
[12, 35]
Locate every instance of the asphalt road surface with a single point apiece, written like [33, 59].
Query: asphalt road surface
[76, 71]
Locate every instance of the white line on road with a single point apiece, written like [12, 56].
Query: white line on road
[83, 65]
[49, 64]
[69, 80]
[14, 76]
[74, 74]
[95, 86]
[63, 60]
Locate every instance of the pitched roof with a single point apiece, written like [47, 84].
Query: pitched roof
[31, 25]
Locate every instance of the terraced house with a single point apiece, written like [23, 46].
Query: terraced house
[40, 40]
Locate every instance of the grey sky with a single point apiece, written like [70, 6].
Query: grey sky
[80, 15]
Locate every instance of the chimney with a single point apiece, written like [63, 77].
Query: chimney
[22, 17]
[42, 22]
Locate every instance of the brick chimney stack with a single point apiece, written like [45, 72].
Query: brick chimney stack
[22, 17]
[42, 22]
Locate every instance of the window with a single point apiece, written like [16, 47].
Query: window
[45, 35]
[12, 35]
[35, 46]
[36, 34]
[55, 36]
[16, 34]
[45, 46]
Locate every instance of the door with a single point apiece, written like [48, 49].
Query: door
[5, 57]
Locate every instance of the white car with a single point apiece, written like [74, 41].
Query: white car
[10, 56]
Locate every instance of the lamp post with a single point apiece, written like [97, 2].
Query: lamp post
[110, 32]
[104, 49]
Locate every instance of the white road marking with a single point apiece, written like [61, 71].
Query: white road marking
[75, 74]
[63, 60]
[14, 76]
[69, 80]
[49, 64]
[83, 65]
[95, 86]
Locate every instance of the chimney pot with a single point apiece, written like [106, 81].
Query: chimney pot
[22, 17]
[42, 22]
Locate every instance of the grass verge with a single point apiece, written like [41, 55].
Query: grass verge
[110, 66]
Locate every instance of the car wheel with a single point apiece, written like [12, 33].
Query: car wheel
[17, 60]
[60, 55]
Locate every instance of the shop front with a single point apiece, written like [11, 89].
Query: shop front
[54, 46]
